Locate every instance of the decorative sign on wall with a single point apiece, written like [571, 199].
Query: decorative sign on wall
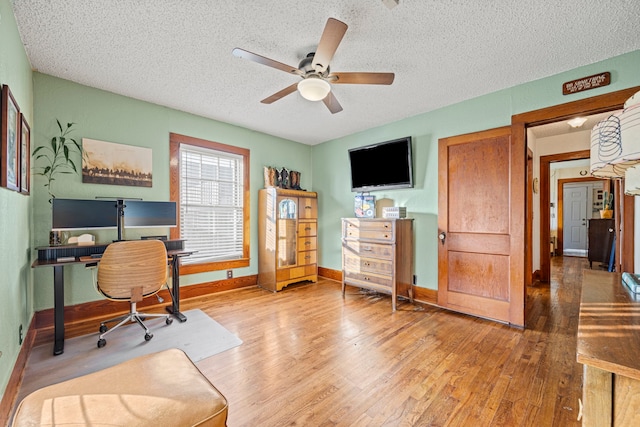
[586, 83]
[116, 164]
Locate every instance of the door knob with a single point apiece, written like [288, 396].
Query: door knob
[442, 236]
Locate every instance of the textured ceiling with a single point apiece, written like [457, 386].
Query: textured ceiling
[177, 53]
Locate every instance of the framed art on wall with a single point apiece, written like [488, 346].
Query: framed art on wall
[25, 147]
[10, 138]
[116, 164]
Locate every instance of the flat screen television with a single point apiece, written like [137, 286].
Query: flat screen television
[382, 166]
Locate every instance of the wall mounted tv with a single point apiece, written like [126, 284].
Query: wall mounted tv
[382, 166]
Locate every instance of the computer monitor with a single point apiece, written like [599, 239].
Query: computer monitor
[143, 214]
[74, 214]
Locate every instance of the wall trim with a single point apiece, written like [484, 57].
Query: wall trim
[425, 295]
[329, 273]
[15, 380]
[90, 310]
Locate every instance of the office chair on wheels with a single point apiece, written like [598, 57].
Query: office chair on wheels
[130, 271]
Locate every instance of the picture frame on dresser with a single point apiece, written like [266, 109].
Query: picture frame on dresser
[25, 156]
[9, 141]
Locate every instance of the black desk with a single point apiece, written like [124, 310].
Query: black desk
[49, 257]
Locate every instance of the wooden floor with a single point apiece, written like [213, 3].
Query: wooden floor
[312, 358]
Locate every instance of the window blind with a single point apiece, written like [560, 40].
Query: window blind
[211, 204]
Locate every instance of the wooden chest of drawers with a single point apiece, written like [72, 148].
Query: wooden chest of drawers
[377, 254]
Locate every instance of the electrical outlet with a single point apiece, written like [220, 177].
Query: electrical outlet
[229, 274]
[20, 335]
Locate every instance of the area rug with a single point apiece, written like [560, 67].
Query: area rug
[200, 337]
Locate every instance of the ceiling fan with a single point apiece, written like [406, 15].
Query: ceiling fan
[314, 70]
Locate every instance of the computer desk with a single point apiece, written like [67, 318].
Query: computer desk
[50, 256]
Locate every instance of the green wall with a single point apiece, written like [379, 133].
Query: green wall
[331, 166]
[108, 117]
[15, 211]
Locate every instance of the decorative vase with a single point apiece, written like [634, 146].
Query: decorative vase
[606, 213]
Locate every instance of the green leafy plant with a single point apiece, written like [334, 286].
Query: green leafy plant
[56, 156]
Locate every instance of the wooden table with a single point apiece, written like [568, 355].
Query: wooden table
[609, 349]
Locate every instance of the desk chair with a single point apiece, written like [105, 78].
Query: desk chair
[130, 271]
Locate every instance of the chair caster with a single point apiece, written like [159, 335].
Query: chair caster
[102, 342]
[103, 328]
[169, 320]
[147, 337]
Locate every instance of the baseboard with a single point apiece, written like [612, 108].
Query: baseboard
[15, 380]
[330, 274]
[425, 295]
[105, 308]
[535, 277]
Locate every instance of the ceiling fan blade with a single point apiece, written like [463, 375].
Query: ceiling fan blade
[281, 94]
[331, 36]
[241, 53]
[362, 78]
[332, 103]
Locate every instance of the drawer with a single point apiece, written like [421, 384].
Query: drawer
[376, 233]
[368, 265]
[307, 257]
[369, 250]
[285, 274]
[308, 207]
[307, 228]
[365, 279]
[307, 243]
[368, 224]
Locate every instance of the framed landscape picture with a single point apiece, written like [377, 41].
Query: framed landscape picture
[25, 157]
[116, 164]
[10, 140]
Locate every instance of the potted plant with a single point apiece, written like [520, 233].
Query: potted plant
[607, 204]
[56, 157]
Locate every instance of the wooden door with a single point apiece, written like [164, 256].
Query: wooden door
[481, 225]
[574, 199]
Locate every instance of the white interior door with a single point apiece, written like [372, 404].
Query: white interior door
[575, 217]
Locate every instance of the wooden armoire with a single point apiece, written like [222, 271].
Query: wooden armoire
[287, 237]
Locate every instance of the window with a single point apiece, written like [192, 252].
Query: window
[210, 184]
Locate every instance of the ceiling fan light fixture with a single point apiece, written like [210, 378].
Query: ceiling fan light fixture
[314, 88]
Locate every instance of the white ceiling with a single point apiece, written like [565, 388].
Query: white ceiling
[563, 128]
[177, 53]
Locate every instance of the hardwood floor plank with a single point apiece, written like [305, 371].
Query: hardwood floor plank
[315, 358]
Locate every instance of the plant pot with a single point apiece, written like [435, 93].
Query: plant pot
[606, 213]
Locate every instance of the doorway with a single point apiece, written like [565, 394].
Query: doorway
[521, 122]
[574, 217]
[588, 209]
